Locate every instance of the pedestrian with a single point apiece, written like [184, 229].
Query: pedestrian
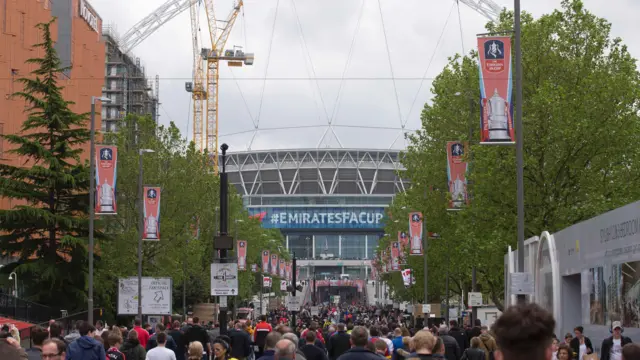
[160, 352]
[310, 350]
[611, 348]
[359, 340]
[196, 351]
[131, 348]
[524, 332]
[86, 347]
[54, 349]
[115, 341]
[143, 335]
[38, 336]
[452, 349]
[474, 352]
[339, 343]
[270, 345]
[222, 350]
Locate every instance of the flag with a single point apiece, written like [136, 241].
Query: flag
[403, 241]
[395, 256]
[106, 161]
[265, 261]
[274, 264]
[415, 233]
[496, 119]
[457, 174]
[281, 271]
[242, 255]
[151, 228]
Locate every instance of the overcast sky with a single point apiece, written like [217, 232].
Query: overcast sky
[312, 39]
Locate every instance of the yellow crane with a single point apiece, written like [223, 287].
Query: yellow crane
[206, 68]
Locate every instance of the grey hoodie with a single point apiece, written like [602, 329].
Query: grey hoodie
[71, 337]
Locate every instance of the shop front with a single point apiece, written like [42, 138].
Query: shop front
[589, 274]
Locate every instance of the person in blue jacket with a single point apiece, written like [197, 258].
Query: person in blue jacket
[86, 347]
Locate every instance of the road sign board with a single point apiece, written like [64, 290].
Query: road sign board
[315, 310]
[156, 296]
[293, 303]
[522, 284]
[224, 279]
[475, 299]
[426, 308]
[223, 302]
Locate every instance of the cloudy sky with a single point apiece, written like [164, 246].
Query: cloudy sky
[302, 50]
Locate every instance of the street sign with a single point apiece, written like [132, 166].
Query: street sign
[293, 303]
[426, 308]
[522, 284]
[224, 279]
[315, 310]
[475, 299]
[156, 296]
[223, 302]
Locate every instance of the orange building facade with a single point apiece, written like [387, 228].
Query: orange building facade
[77, 32]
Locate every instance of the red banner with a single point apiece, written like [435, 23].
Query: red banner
[415, 233]
[242, 255]
[265, 261]
[287, 270]
[395, 256]
[457, 174]
[106, 173]
[151, 229]
[496, 118]
[281, 271]
[403, 242]
[266, 282]
[274, 264]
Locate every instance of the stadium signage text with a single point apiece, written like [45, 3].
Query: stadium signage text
[320, 218]
[88, 16]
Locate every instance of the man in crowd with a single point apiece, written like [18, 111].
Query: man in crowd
[339, 343]
[310, 350]
[86, 347]
[451, 348]
[524, 332]
[270, 342]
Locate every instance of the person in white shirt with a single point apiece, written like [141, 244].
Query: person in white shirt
[160, 352]
[611, 348]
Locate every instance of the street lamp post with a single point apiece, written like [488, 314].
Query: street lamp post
[519, 140]
[140, 226]
[13, 276]
[92, 199]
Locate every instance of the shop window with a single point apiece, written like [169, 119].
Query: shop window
[615, 294]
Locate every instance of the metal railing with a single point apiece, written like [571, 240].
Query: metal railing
[25, 310]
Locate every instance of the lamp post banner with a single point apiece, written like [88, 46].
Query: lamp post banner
[287, 270]
[457, 168]
[242, 255]
[151, 229]
[266, 282]
[274, 264]
[106, 160]
[403, 242]
[281, 269]
[265, 261]
[415, 233]
[496, 119]
[395, 256]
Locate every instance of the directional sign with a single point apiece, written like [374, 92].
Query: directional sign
[293, 303]
[224, 279]
[475, 299]
[156, 296]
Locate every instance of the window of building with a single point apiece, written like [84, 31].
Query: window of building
[327, 246]
[301, 246]
[614, 294]
[372, 244]
[353, 247]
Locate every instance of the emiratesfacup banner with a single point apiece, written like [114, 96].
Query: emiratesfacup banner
[265, 261]
[242, 255]
[395, 256]
[274, 264]
[403, 242]
[106, 173]
[151, 229]
[281, 269]
[266, 282]
[415, 233]
[496, 118]
[457, 174]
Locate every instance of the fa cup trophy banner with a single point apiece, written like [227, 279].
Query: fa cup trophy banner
[266, 282]
[151, 229]
[395, 256]
[415, 233]
[403, 242]
[274, 264]
[457, 174]
[106, 173]
[287, 270]
[281, 267]
[496, 117]
[242, 255]
[265, 261]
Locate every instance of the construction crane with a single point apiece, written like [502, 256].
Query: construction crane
[204, 88]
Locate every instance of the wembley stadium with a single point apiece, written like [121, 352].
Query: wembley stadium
[328, 203]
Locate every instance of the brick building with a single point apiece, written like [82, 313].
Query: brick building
[78, 36]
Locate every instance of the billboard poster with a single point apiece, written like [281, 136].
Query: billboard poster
[265, 261]
[266, 282]
[407, 277]
[281, 269]
[395, 256]
[106, 173]
[496, 118]
[415, 233]
[254, 267]
[457, 167]
[319, 217]
[242, 255]
[403, 242]
[274, 264]
[151, 229]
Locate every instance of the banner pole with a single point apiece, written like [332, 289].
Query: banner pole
[519, 139]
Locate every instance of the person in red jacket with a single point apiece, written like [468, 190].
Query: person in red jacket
[314, 327]
[143, 335]
[263, 328]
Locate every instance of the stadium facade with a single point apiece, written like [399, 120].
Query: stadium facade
[329, 203]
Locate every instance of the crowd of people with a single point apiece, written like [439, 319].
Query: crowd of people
[523, 332]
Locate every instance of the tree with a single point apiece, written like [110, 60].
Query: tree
[47, 229]
[580, 115]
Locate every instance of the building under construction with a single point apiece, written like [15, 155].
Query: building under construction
[126, 84]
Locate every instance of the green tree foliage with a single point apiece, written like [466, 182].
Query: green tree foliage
[580, 118]
[47, 227]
